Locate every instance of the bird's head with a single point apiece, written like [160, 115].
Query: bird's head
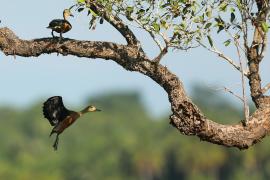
[67, 13]
[91, 109]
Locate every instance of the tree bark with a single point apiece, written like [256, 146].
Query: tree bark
[186, 116]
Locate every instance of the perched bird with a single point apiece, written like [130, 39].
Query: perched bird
[61, 25]
[60, 117]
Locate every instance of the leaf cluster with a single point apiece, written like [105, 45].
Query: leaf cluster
[180, 23]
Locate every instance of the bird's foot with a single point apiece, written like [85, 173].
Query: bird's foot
[55, 145]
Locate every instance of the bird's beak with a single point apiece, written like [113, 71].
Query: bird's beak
[98, 110]
[71, 15]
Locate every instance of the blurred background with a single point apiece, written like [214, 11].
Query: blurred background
[131, 138]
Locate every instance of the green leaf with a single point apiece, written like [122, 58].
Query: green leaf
[183, 25]
[80, 9]
[232, 17]
[237, 36]
[207, 25]
[156, 27]
[220, 24]
[209, 13]
[232, 9]
[223, 6]
[128, 12]
[165, 5]
[220, 28]
[130, 9]
[93, 13]
[210, 40]
[265, 27]
[164, 24]
[101, 21]
[227, 42]
[239, 4]
[197, 20]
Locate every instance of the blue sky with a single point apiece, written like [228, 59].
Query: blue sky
[25, 80]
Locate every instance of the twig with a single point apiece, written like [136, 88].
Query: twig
[220, 54]
[150, 32]
[163, 50]
[265, 88]
[246, 108]
[161, 55]
[264, 46]
[231, 92]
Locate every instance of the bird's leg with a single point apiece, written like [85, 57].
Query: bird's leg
[61, 37]
[53, 34]
[55, 145]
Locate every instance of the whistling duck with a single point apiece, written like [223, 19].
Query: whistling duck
[60, 117]
[61, 25]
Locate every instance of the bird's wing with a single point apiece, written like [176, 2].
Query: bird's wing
[54, 110]
[56, 22]
[60, 25]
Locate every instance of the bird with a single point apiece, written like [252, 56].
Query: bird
[60, 117]
[61, 25]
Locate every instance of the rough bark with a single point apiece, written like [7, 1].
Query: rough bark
[255, 53]
[186, 116]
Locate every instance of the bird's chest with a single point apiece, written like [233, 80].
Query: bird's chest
[66, 27]
[67, 122]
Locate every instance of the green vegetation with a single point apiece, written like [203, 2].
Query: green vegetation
[122, 142]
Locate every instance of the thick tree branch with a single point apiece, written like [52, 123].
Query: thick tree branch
[10, 44]
[186, 116]
[256, 50]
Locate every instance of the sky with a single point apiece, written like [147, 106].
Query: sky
[26, 80]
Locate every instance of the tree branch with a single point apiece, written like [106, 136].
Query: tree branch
[266, 88]
[145, 27]
[161, 55]
[232, 93]
[10, 44]
[245, 103]
[220, 54]
[116, 22]
[255, 52]
[186, 116]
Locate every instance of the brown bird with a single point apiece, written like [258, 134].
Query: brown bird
[60, 117]
[61, 25]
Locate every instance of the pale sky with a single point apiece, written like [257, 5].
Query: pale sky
[26, 80]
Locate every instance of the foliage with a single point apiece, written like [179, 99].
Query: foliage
[121, 142]
[181, 24]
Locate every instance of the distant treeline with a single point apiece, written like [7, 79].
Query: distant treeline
[124, 143]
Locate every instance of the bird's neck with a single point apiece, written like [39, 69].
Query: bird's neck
[65, 16]
[83, 111]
